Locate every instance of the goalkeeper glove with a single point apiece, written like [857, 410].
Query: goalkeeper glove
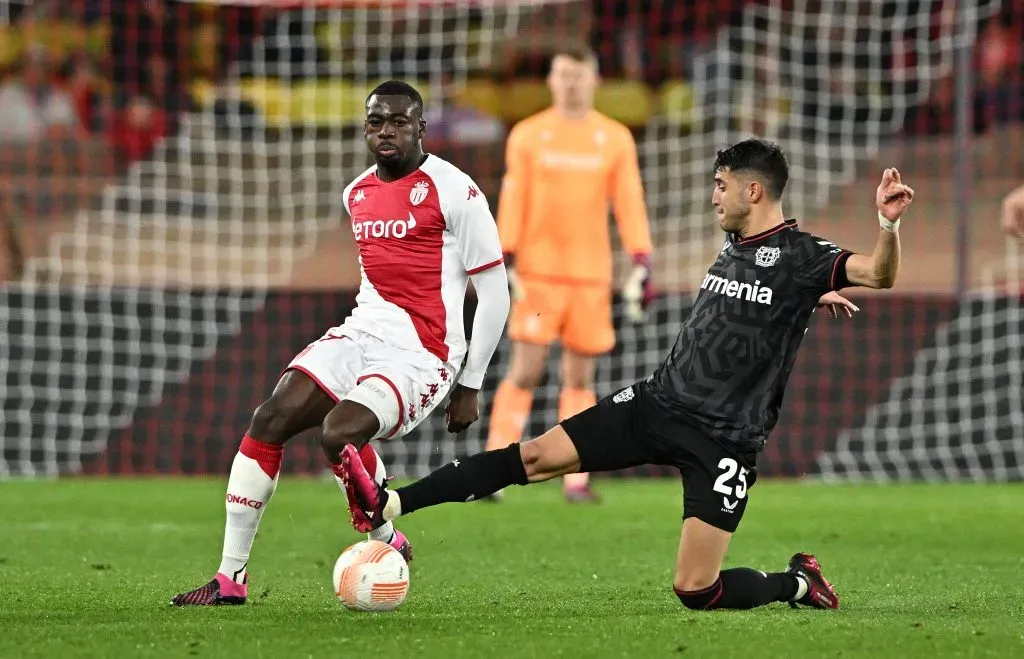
[638, 292]
[515, 287]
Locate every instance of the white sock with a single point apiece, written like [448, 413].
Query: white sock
[393, 507]
[387, 532]
[250, 487]
[801, 588]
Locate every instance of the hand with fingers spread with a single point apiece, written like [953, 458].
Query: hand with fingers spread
[834, 302]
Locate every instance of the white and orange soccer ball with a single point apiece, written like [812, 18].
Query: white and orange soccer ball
[371, 576]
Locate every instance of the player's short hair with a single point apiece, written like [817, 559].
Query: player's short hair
[763, 158]
[577, 52]
[397, 88]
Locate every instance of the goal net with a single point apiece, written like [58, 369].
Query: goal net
[164, 277]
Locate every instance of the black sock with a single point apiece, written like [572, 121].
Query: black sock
[742, 588]
[465, 479]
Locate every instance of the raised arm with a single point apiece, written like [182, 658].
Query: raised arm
[880, 268]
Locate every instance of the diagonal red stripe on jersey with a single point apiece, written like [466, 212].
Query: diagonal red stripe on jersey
[400, 248]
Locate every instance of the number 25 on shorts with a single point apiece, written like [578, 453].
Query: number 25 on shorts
[730, 468]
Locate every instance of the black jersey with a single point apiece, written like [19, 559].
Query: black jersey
[728, 369]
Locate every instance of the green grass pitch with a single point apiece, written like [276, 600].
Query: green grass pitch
[87, 568]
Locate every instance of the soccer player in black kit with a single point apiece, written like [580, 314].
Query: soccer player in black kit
[710, 407]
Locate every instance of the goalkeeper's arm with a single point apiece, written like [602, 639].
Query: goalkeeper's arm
[634, 229]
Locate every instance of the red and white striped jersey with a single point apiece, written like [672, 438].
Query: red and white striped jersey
[419, 239]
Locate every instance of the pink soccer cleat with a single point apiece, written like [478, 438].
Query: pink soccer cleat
[220, 591]
[402, 545]
[364, 493]
[357, 516]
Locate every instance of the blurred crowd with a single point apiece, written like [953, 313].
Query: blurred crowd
[42, 98]
[661, 39]
[127, 71]
[998, 70]
[118, 70]
[86, 88]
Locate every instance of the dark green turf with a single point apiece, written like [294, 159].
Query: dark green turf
[87, 568]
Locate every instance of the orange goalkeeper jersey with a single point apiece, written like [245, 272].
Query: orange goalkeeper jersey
[560, 177]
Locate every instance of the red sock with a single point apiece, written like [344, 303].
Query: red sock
[269, 456]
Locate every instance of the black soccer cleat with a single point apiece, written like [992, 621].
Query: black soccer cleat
[820, 593]
[211, 593]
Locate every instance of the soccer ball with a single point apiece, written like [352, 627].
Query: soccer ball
[371, 576]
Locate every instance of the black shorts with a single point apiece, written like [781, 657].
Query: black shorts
[629, 429]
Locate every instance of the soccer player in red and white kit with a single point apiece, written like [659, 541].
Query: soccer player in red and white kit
[423, 230]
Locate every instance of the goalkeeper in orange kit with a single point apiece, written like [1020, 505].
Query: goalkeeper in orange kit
[564, 167]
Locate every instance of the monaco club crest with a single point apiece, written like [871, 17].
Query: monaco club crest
[767, 256]
[418, 193]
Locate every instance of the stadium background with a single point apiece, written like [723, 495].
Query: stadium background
[174, 243]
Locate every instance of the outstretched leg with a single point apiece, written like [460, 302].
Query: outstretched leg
[601, 438]
[465, 479]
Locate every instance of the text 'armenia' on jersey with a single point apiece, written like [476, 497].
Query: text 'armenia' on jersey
[727, 372]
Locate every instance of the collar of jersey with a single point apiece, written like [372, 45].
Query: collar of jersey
[736, 239]
[397, 180]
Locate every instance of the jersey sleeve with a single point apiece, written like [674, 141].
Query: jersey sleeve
[469, 219]
[823, 269]
[346, 194]
[628, 199]
[513, 200]
[488, 324]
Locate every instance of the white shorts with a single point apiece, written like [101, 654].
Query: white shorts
[402, 387]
